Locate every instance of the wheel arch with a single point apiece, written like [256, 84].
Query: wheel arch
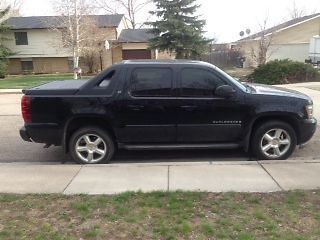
[78, 122]
[287, 118]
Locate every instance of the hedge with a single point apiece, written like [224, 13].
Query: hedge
[284, 72]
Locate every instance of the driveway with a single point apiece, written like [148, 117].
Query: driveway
[13, 149]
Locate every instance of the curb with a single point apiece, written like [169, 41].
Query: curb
[10, 91]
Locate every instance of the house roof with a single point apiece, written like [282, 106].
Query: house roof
[45, 22]
[135, 35]
[282, 26]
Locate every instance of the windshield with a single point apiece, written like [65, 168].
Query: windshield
[233, 80]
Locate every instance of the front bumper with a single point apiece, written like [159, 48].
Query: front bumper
[307, 129]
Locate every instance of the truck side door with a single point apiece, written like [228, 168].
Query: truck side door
[204, 117]
[146, 110]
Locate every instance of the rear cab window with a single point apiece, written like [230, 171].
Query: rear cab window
[107, 79]
[151, 82]
[106, 83]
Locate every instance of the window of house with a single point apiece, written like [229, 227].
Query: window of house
[199, 83]
[27, 65]
[151, 82]
[21, 38]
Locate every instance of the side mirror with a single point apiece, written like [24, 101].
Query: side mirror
[225, 91]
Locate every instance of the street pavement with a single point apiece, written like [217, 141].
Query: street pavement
[22, 178]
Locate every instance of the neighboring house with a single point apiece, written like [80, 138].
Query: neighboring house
[289, 40]
[39, 49]
[134, 44]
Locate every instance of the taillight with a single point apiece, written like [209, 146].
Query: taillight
[26, 109]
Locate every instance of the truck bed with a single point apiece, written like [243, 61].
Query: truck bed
[65, 87]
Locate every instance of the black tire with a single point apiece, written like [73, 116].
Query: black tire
[264, 128]
[107, 144]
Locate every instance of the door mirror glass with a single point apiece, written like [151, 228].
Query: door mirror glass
[225, 91]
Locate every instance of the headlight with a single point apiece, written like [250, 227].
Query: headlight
[309, 111]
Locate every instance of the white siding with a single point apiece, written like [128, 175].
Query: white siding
[296, 52]
[123, 25]
[41, 43]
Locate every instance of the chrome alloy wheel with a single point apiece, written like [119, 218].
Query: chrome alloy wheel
[91, 148]
[275, 143]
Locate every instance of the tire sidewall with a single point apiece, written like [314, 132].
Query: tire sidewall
[263, 129]
[92, 130]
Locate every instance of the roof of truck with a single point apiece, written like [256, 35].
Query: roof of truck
[164, 62]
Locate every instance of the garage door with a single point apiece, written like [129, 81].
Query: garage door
[136, 54]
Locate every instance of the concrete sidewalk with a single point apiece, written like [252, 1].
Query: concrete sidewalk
[244, 176]
[10, 91]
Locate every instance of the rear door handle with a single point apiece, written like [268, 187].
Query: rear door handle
[189, 107]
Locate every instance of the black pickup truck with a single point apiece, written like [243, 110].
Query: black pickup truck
[165, 105]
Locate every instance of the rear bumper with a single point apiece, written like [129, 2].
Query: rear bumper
[24, 135]
[307, 129]
[42, 133]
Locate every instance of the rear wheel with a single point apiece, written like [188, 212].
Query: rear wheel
[274, 140]
[91, 145]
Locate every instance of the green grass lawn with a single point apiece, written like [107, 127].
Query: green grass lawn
[162, 215]
[27, 81]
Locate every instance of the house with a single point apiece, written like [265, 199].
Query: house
[289, 40]
[133, 44]
[39, 49]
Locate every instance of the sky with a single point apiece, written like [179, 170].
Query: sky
[225, 19]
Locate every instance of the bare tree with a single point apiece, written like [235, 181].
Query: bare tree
[259, 53]
[132, 9]
[93, 48]
[296, 11]
[15, 6]
[75, 25]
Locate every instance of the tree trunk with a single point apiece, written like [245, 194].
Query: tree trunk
[75, 65]
[76, 47]
[179, 55]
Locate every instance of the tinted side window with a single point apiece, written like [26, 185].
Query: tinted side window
[151, 82]
[107, 79]
[199, 83]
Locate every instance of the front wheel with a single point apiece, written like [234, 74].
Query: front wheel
[91, 145]
[274, 140]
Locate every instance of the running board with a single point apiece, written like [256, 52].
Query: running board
[178, 146]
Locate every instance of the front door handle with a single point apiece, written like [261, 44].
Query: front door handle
[189, 107]
[136, 107]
